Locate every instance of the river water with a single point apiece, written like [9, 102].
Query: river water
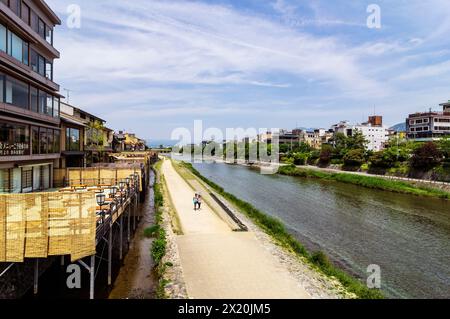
[407, 236]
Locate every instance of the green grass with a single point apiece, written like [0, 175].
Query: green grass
[277, 230]
[365, 181]
[159, 245]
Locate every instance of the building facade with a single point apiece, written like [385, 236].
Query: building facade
[376, 135]
[429, 126]
[29, 101]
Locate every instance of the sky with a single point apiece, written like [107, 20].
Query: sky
[151, 66]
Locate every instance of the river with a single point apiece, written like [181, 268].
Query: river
[407, 236]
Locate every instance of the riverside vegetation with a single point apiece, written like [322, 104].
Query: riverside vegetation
[157, 232]
[365, 181]
[277, 230]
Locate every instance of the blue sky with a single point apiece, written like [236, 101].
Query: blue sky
[153, 66]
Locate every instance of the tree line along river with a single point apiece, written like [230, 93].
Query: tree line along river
[407, 236]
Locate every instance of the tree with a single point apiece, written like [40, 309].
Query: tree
[354, 158]
[357, 141]
[426, 156]
[325, 155]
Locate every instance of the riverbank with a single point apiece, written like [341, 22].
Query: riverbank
[276, 230]
[365, 181]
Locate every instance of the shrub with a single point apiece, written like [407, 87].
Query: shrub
[152, 231]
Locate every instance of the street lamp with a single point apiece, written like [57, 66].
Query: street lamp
[101, 200]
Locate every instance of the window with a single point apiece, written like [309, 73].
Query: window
[25, 14]
[27, 178]
[49, 70]
[17, 93]
[41, 65]
[34, 99]
[43, 141]
[34, 21]
[49, 105]
[42, 102]
[72, 139]
[25, 54]
[35, 140]
[16, 47]
[56, 107]
[57, 141]
[49, 35]
[51, 141]
[14, 139]
[14, 5]
[41, 29]
[34, 60]
[3, 38]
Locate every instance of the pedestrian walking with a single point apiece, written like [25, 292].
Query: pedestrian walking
[195, 201]
[199, 202]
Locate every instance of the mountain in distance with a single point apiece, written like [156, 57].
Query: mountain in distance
[401, 127]
[164, 142]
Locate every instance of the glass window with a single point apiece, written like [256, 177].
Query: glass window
[25, 14]
[4, 181]
[57, 141]
[41, 29]
[43, 140]
[41, 66]
[49, 105]
[42, 102]
[35, 140]
[2, 83]
[14, 139]
[34, 60]
[49, 35]
[56, 107]
[51, 141]
[15, 46]
[34, 99]
[72, 139]
[49, 70]
[17, 93]
[25, 54]
[3, 38]
[34, 21]
[15, 6]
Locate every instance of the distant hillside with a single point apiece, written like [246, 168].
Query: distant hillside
[158, 143]
[401, 127]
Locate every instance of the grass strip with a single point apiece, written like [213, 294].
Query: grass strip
[277, 230]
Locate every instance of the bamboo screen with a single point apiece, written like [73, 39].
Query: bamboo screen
[97, 176]
[39, 225]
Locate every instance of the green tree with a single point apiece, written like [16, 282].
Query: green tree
[426, 156]
[354, 158]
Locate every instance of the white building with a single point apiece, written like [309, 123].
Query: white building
[373, 131]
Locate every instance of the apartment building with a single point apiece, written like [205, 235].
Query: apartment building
[429, 126]
[29, 101]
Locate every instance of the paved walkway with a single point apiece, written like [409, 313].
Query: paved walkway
[219, 263]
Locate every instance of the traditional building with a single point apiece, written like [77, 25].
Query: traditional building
[29, 100]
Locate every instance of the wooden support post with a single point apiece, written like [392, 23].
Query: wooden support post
[134, 215]
[62, 261]
[121, 237]
[129, 224]
[36, 277]
[110, 254]
[92, 278]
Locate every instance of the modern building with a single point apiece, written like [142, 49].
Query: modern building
[429, 126]
[29, 100]
[376, 135]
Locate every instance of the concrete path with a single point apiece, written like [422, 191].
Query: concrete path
[219, 263]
